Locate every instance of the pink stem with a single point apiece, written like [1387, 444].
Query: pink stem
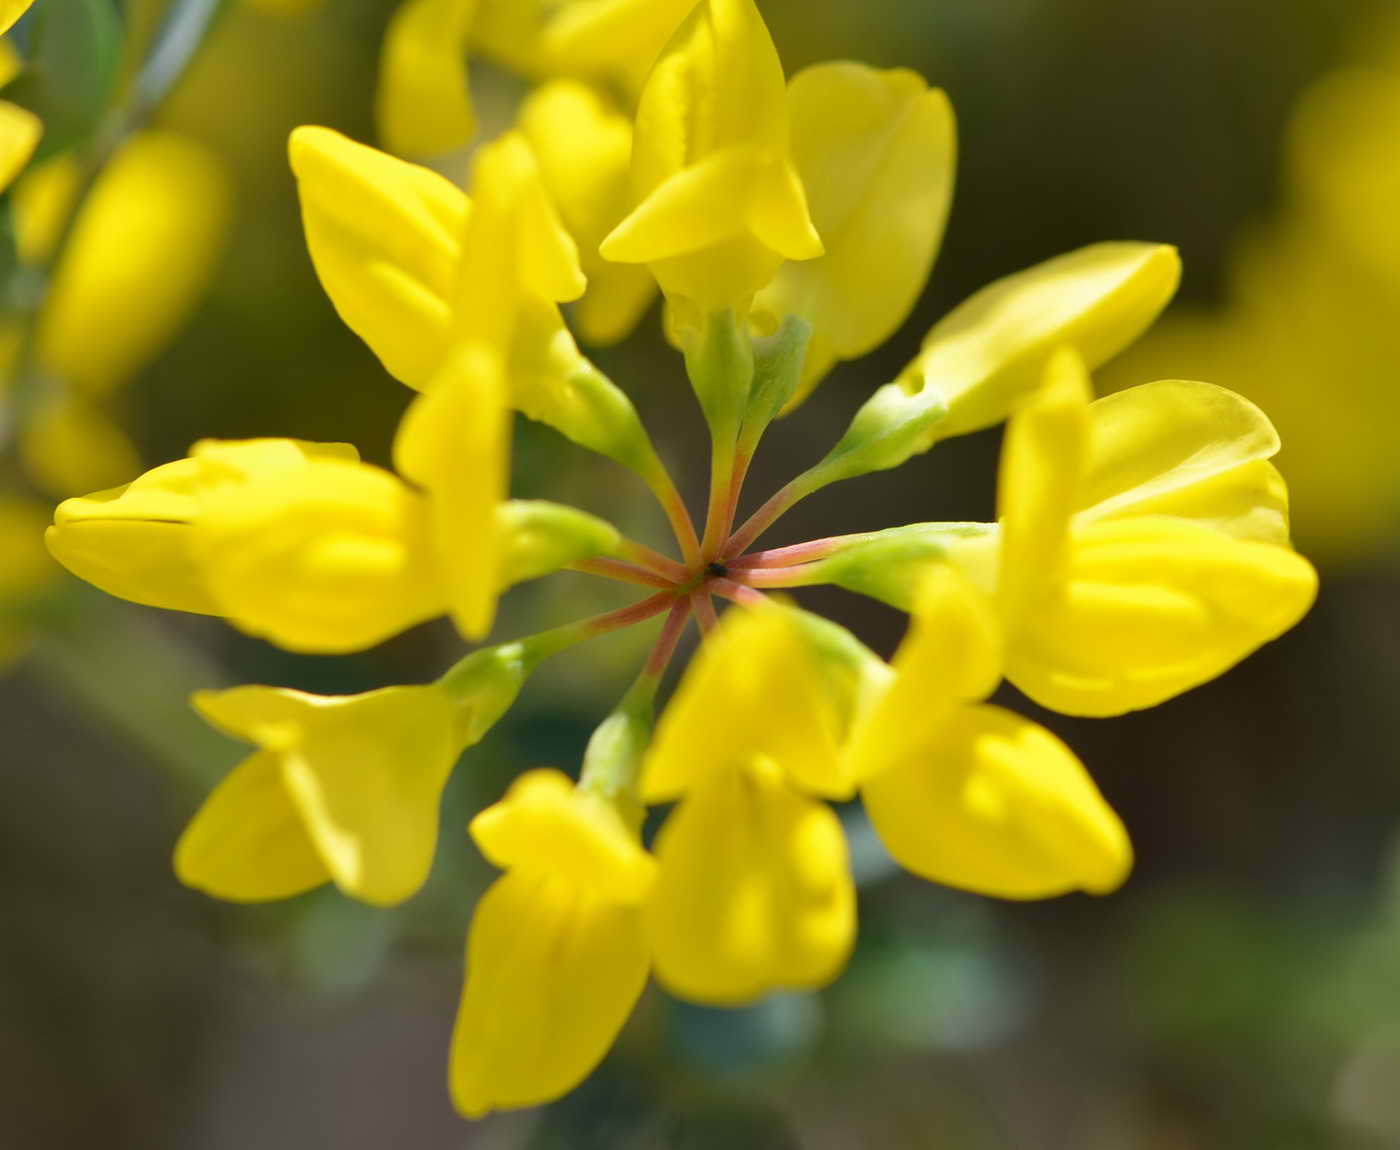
[625, 572]
[681, 523]
[736, 592]
[670, 636]
[644, 556]
[626, 616]
[759, 522]
[704, 611]
[798, 575]
[788, 556]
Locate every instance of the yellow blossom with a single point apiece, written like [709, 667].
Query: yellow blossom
[342, 789]
[422, 105]
[1111, 600]
[876, 152]
[719, 202]
[972, 795]
[141, 253]
[557, 954]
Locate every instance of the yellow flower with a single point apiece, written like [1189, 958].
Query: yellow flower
[972, 795]
[134, 541]
[11, 11]
[876, 153]
[1129, 563]
[754, 891]
[342, 789]
[719, 201]
[385, 238]
[422, 104]
[557, 955]
[141, 253]
[68, 445]
[584, 148]
[20, 131]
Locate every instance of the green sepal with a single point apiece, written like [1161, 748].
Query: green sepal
[486, 684]
[719, 360]
[893, 425]
[888, 565]
[541, 537]
[612, 764]
[777, 371]
[592, 411]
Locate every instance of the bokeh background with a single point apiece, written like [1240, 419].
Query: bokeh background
[1242, 991]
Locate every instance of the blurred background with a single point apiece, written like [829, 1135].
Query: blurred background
[1242, 991]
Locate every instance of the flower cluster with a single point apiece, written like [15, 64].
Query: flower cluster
[1141, 546]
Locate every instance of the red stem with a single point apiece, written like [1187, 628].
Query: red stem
[759, 522]
[624, 572]
[704, 611]
[669, 637]
[626, 616]
[644, 556]
[789, 556]
[798, 575]
[736, 592]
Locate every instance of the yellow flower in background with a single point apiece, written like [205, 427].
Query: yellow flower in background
[25, 573]
[971, 795]
[876, 152]
[141, 254]
[423, 106]
[1310, 296]
[719, 203]
[341, 789]
[20, 131]
[1123, 577]
[557, 954]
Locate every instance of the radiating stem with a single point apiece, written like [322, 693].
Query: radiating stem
[704, 611]
[762, 519]
[737, 592]
[644, 556]
[664, 488]
[546, 643]
[666, 642]
[798, 575]
[788, 556]
[621, 571]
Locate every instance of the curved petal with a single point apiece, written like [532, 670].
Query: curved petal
[553, 970]
[1150, 446]
[423, 104]
[996, 804]
[385, 238]
[1153, 607]
[247, 843]
[20, 130]
[876, 152]
[990, 351]
[1042, 467]
[754, 891]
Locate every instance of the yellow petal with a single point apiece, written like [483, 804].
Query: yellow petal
[364, 772]
[423, 104]
[712, 122]
[133, 541]
[454, 442]
[1041, 474]
[19, 136]
[11, 11]
[1151, 608]
[547, 825]
[247, 843]
[333, 557]
[996, 804]
[990, 351]
[553, 970]
[1195, 447]
[757, 688]
[754, 891]
[611, 37]
[385, 238]
[876, 152]
[42, 199]
[951, 654]
[584, 149]
[140, 256]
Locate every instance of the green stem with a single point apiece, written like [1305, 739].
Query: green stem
[776, 507]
